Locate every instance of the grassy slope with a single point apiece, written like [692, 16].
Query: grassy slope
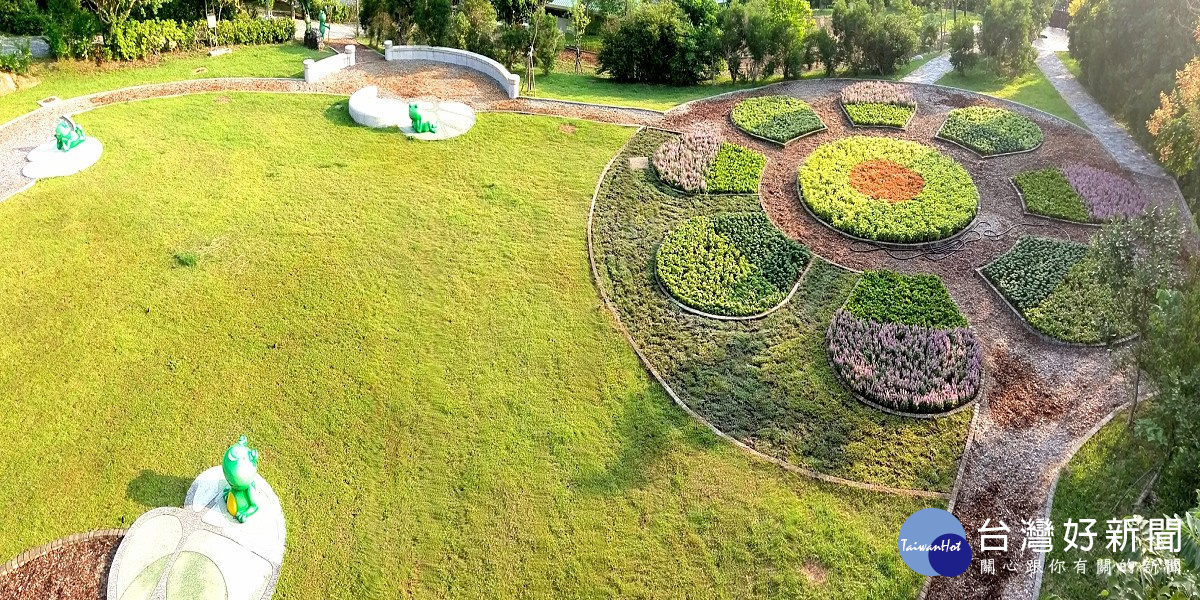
[1101, 482]
[409, 333]
[1032, 89]
[67, 79]
[1070, 63]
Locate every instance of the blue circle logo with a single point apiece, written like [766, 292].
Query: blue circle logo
[933, 542]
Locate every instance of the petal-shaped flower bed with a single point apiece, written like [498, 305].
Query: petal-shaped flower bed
[868, 187]
[1053, 285]
[776, 118]
[701, 162]
[878, 104]
[1080, 193]
[991, 131]
[732, 264]
[900, 342]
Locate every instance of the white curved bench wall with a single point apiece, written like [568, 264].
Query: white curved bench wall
[477, 62]
[367, 108]
[315, 70]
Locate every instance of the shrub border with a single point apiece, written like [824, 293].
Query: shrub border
[889, 245]
[695, 311]
[1030, 328]
[37, 552]
[783, 144]
[1025, 208]
[842, 105]
[612, 310]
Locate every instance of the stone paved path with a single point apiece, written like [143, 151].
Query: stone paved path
[931, 71]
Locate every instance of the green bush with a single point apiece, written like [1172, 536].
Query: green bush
[733, 264]
[777, 118]
[990, 131]
[255, 31]
[962, 46]
[335, 12]
[735, 170]
[133, 40]
[1047, 192]
[946, 203]
[890, 297]
[21, 17]
[69, 31]
[1030, 271]
[18, 62]
[872, 40]
[1079, 308]
[661, 43]
[879, 115]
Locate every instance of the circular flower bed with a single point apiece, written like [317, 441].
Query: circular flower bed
[732, 264]
[888, 190]
[776, 118]
[901, 342]
[991, 131]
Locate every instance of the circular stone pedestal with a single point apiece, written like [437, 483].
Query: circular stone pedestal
[201, 551]
[367, 108]
[48, 161]
[453, 119]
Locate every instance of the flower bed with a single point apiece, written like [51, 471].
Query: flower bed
[878, 104]
[991, 131]
[776, 118]
[732, 264]
[883, 206]
[1080, 193]
[700, 162]
[1053, 285]
[901, 342]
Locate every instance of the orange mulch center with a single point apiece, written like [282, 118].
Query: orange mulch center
[886, 180]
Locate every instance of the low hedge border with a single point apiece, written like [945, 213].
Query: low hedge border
[31, 554]
[888, 245]
[663, 288]
[1025, 210]
[1031, 329]
[842, 106]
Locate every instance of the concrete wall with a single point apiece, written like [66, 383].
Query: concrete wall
[315, 70]
[509, 82]
[37, 45]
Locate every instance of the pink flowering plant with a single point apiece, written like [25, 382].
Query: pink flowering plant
[701, 162]
[1107, 195]
[878, 104]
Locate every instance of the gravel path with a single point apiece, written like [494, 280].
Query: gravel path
[931, 71]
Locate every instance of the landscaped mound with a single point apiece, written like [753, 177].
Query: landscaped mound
[1080, 193]
[901, 342]
[732, 264]
[888, 190]
[776, 118]
[878, 104]
[991, 131]
[701, 162]
[1053, 285]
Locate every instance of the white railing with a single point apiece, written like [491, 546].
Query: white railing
[509, 82]
[315, 70]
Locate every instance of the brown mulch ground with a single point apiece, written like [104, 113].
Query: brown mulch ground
[1020, 398]
[886, 180]
[76, 571]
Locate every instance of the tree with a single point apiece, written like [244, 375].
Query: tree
[115, 12]
[579, 16]
[1006, 35]
[962, 46]
[433, 21]
[1146, 584]
[826, 47]
[871, 40]
[794, 23]
[659, 43]
[733, 38]
[1175, 125]
[1135, 259]
[513, 12]
[475, 26]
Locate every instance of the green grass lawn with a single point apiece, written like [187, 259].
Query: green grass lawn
[1070, 63]
[1031, 89]
[1102, 481]
[409, 333]
[67, 79]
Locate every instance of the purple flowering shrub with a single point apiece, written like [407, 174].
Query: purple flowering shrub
[877, 92]
[905, 367]
[684, 161]
[1106, 194]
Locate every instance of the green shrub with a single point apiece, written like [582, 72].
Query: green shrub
[990, 131]
[879, 115]
[1079, 309]
[1047, 192]
[946, 204]
[255, 31]
[21, 17]
[661, 43]
[962, 46]
[733, 264]
[777, 118]
[69, 31]
[184, 259]
[133, 40]
[17, 62]
[1030, 271]
[890, 297]
[335, 12]
[735, 170]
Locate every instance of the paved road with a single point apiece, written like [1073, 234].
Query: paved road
[931, 71]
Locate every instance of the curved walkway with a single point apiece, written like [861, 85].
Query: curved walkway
[931, 71]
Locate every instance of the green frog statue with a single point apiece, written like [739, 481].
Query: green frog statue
[419, 123]
[241, 469]
[68, 135]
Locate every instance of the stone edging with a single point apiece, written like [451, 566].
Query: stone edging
[27, 556]
[612, 310]
[842, 105]
[889, 245]
[663, 288]
[1030, 328]
[1025, 209]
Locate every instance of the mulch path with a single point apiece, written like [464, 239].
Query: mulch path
[75, 571]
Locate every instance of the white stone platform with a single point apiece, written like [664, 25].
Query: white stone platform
[367, 108]
[48, 161]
